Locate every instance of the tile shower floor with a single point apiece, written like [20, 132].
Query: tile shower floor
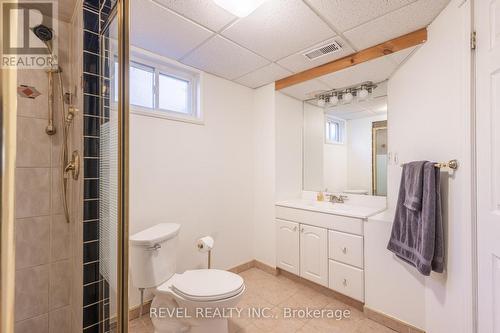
[278, 293]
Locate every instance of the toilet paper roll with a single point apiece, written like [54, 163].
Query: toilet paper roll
[205, 244]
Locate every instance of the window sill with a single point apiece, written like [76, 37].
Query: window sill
[167, 115]
[335, 143]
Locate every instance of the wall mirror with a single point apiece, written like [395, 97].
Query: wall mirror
[345, 146]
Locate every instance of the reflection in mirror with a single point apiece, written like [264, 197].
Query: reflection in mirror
[345, 141]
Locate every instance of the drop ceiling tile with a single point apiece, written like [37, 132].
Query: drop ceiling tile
[347, 14]
[224, 58]
[204, 12]
[305, 90]
[279, 28]
[375, 70]
[152, 26]
[399, 22]
[264, 75]
[298, 62]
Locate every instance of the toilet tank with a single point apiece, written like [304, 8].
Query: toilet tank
[153, 254]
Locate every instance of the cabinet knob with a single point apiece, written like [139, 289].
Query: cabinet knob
[344, 282]
[344, 250]
[295, 228]
[301, 229]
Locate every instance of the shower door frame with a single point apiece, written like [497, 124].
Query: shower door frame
[8, 143]
[123, 14]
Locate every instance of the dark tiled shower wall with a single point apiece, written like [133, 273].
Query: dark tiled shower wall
[95, 287]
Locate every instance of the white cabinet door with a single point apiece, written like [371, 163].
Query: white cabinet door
[314, 254]
[287, 251]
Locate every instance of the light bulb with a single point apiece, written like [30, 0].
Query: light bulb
[321, 102]
[348, 97]
[334, 100]
[363, 93]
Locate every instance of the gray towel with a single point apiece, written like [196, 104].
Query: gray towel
[414, 184]
[417, 234]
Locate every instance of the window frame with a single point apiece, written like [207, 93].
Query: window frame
[149, 69]
[165, 66]
[342, 130]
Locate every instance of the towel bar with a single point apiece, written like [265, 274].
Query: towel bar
[452, 164]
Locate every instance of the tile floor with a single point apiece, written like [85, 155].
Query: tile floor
[278, 292]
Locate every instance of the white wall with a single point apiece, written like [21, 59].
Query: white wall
[334, 166]
[359, 152]
[289, 120]
[200, 176]
[263, 163]
[425, 123]
[314, 124]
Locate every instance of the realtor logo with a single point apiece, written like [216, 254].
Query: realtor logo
[28, 34]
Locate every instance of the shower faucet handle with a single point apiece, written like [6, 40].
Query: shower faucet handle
[74, 165]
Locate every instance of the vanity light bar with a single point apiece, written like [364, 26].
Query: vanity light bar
[346, 94]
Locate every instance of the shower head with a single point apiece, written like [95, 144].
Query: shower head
[43, 33]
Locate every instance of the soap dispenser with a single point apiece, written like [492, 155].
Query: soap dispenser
[320, 196]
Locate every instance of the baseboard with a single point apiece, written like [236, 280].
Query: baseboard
[324, 290]
[254, 263]
[391, 322]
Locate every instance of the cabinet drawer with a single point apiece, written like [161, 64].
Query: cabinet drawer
[345, 248]
[346, 280]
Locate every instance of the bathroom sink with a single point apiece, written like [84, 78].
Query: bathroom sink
[345, 209]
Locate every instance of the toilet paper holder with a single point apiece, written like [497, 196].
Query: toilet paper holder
[209, 254]
[205, 244]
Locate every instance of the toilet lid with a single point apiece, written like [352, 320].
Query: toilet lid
[207, 284]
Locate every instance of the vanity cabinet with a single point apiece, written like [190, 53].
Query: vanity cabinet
[287, 251]
[314, 254]
[324, 248]
[302, 250]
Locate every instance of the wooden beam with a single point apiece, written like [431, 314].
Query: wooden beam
[377, 51]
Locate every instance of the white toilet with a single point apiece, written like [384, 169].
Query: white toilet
[193, 301]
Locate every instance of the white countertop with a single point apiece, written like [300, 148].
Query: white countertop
[385, 216]
[344, 209]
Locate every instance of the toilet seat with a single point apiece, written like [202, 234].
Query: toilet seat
[204, 285]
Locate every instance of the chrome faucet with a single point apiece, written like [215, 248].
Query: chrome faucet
[337, 198]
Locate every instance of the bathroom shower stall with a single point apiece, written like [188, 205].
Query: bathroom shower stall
[67, 218]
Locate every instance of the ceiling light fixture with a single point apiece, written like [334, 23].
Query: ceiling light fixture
[321, 102]
[240, 8]
[363, 92]
[334, 100]
[345, 95]
[348, 96]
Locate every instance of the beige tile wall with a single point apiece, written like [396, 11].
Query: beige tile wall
[46, 249]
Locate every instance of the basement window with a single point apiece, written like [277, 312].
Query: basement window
[163, 90]
[334, 130]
